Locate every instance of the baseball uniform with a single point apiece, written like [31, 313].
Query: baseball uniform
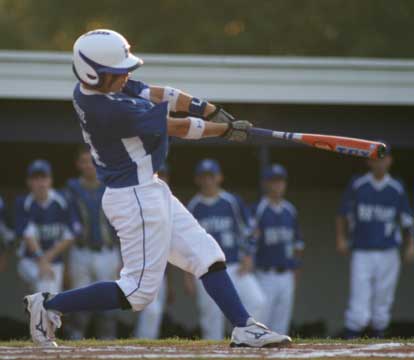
[279, 237]
[376, 211]
[48, 223]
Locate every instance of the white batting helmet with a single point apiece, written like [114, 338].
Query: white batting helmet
[102, 51]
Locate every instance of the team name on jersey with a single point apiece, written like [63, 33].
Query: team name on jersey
[50, 232]
[379, 213]
[280, 234]
[217, 223]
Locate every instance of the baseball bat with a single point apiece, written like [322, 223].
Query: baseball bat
[339, 144]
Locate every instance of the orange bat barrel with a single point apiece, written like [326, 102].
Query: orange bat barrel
[342, 145]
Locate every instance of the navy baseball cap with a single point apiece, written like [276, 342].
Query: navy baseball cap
[39, 166]
[208, 166]
[274, 171]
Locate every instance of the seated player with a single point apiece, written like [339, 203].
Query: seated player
[226, 218]
[279, 247]
[95, 254]
[127, 125]
[44, 222]
[373, 220]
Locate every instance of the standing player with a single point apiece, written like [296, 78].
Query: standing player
[373, 212]
[95, 255]
[224, 216]
[149, 320]
[127, 127]
[280, 246]
[44, 222]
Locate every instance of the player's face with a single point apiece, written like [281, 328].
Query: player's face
[380, 167]
[276, 187]
[115, 83]
[209, 181]
[39, 185]
[85, 165]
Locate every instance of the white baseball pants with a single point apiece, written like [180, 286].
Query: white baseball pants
[29, 272]
[212, 319]
[280, 293]
[154, 227]
[374, 277]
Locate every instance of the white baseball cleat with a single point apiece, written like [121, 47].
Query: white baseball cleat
[257, 335]
[43, 323]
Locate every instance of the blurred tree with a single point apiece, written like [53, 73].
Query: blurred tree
[369, 28]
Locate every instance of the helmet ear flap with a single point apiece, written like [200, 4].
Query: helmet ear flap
[99, 76]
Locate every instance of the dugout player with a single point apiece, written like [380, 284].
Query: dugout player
[127, 127]
[95, 254]
[374, 219]
[226, 218]
[279, 248]
[44, 222]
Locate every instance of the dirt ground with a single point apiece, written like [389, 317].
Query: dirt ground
[189, 350]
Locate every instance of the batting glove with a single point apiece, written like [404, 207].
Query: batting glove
[238, 131]
[220, 116]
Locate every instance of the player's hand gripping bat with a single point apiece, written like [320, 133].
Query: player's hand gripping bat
[343, 145]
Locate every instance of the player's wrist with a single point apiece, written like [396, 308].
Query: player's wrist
[210, 109]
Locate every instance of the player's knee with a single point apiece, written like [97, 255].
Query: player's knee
[140, 300]
[217, 266]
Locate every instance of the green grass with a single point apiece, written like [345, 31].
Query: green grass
[188, 342]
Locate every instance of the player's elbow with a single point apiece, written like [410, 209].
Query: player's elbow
[178, 127]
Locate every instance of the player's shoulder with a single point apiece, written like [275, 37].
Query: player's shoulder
[288, 206]
[58, 196]
[194, 201]
[359, 180]
[396, 184]
[23, 202]
[259, 207]
[231, 198]
[72, 183]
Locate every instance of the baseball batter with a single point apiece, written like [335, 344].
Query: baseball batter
[279, 248]
[44, 222]
[95, 255]
[226, 218]
[127, 125]
[375, 217]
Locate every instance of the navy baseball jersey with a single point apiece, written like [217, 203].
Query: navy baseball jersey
[126, 133]
[227, 219]
[48, 223]
[95, 231]
[278, 235]
[376, 211]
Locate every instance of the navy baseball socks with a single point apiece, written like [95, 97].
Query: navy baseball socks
[107, 295]
[100, 296]
[221, 289]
